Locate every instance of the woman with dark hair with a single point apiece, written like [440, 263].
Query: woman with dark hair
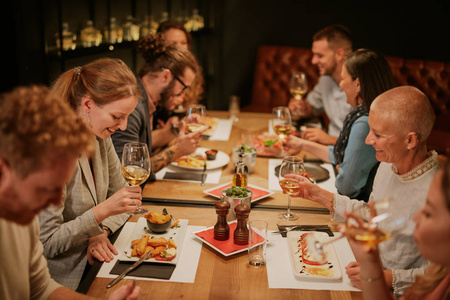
[432, 236]
[365, 75]
[168, 71]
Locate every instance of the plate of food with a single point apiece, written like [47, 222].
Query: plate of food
[313, 171]
[166, 247]
[267, 145]
[196, 160]
[305, 266]
[227, 247]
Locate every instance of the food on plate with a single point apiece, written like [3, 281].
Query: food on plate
[157, 218]
[307, 258]
[191, 162]
[266, 145]
[162, 249]
[237, 192]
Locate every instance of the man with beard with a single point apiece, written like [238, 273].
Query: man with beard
[330, 45]
[41, 141]
[168, 71]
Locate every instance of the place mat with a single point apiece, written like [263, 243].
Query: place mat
[223, 130]
[186, 267]
[227, 246]
[281, 275]
[183, 176]
[212, 176]
[258, 192]
[150, 270]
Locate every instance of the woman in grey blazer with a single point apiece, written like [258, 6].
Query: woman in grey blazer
[104, 93]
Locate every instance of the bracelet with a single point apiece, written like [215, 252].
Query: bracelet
[107, 229]
[372, 279]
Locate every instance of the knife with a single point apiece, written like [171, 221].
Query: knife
[133, 266]
[204, 174]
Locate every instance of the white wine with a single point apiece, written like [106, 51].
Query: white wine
[298, 93]
[284, 129]
[194, 127]
[366, 236]
[135, 175]
[290, 186]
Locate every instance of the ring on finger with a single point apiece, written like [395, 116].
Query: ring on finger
[93, 250]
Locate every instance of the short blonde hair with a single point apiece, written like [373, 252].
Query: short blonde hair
[34, 125]
[407, 109]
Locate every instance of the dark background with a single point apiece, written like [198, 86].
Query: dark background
[235, 29]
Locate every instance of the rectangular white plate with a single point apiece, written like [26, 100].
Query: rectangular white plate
[330, 271]
[177, 234]
[252, 187]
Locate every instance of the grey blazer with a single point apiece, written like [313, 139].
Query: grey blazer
[65, 230]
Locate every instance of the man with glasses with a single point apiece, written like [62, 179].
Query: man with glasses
[167, 73]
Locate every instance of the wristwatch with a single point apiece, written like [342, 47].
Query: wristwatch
[107, 229]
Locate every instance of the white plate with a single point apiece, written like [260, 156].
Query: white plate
[217, 191]
[330, 271]
[222, 159]
[229, 240]
[177, 234]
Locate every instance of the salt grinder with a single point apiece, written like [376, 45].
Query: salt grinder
[241, 232]
[222, 229]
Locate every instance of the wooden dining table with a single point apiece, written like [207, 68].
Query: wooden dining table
[217, 276]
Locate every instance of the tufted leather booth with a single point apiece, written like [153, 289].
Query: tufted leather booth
[274, 65]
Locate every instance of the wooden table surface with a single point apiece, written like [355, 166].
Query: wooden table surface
[220, 277]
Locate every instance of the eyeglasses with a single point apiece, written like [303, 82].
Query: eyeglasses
[179, 80]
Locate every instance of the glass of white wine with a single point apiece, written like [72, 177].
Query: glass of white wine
[195, 118]
[298, 87]
[290, 165]
[388, 218]
[281, 123]
[136, 167]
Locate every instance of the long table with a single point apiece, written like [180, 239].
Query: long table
[220, 277]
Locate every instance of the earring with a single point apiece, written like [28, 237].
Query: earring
[408, 148]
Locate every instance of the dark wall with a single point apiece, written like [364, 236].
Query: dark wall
[395, 28]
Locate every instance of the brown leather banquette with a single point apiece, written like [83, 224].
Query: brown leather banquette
[274, 65]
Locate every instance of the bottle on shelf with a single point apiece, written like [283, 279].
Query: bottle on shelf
[90, 36]
[164, 17]
[68, 38]
[240, 176]
[114, 33]
[148, 27]
[130, 30]
[196, 22]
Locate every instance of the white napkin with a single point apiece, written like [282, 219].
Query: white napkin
[212, 176]
[187, 264]
[223, 130]
[275, 186]
[281, 276]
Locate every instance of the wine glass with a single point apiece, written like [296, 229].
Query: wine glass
[389, 218]
[281, 123]
[136, 167]
[290, 165]
[298, 87]
[195, 118]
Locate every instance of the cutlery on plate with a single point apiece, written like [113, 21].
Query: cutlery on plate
[204, 174]
[133, 266]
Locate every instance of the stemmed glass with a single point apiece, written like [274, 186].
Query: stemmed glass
[290, 165]
[298, 86]
[136, 167]
[281, 123]
[388, 217]
[195, 118]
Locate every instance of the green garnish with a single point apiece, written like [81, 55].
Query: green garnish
[269, 142]
[237, 192]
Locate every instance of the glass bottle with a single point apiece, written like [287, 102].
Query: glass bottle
[240, 176]
[130, 30]
[114, 33]
[68, 38]
[90, 36]
[164, 17]
[198, 22]
[148, 27]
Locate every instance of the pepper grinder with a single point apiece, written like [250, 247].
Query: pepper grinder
[241, 232]
[222, 229]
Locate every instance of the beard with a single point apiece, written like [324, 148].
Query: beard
[167, 93]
